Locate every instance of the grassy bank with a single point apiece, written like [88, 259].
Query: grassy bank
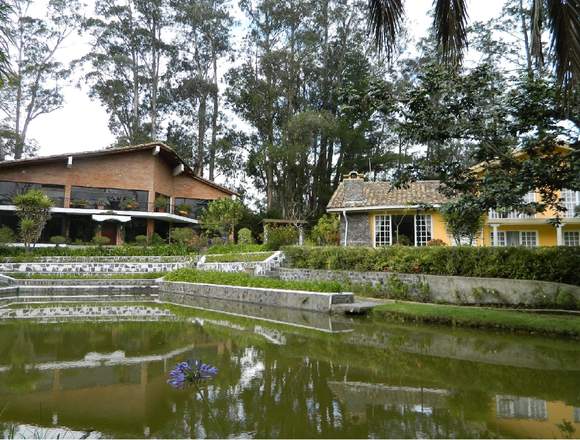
[482, 318]
[246, 280]
[82, 276]
[231, 258]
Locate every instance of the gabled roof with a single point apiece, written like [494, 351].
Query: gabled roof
[164, 150]
[356, 194]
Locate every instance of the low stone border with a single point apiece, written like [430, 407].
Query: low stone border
[260, 268]
[104, 259]
[130, 282]
[94, 267]
[294, 299]
[445, 289]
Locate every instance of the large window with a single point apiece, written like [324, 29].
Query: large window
[108, 198]
[571, 238]
[571, 201]
[195, 206]
[422, 229]
[528, 198]
[10, 189]
[515, 238]
[382, 230]
[516, 407]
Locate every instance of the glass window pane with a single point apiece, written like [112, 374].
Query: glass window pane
[382, 230]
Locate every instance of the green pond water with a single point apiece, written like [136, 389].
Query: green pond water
[332, 378]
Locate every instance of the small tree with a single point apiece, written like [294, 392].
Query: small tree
[327, 230]
[182, 236]
[33, 209]
[245, 236]
[464, 220]
[222, 216]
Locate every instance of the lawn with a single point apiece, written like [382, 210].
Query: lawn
[246, 280]
[239, 257]
[482, 317]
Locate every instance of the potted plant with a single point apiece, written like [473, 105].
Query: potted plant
[79, 203]
[129, 203]
[183, 210]
[101, 204]
[161, 203]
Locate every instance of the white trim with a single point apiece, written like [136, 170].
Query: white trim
[345, 228]
[137, 214]
[69, 162]
[379, 207]
[375, 229]
[526, 231]
[564, 239]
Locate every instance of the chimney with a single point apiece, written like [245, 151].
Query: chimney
[353, 188]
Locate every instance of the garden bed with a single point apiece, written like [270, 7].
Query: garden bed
[238, 257]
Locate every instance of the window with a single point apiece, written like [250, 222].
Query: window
[9, 189]
[528, 238]
[501, 240]
[196, 205]
[571, 201]
[108, 198]
[382, 230]
[422, 229]
[571, 238]
[515, 407]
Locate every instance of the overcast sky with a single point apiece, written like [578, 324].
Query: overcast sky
[82, 123]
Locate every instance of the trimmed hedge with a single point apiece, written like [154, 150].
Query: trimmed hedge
[557, 264]
[246, 280]
[95, 251]
[235, 248]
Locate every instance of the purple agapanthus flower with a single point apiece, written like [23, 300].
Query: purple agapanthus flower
[190, 372]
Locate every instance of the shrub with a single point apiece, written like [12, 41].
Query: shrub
[57, 239]
[235, 248]
[557, 264]
[327, 230]
[141, 240]
[402, 240]
[245, 236]
[7, 235]
[281, 236]
[436, 242]
[183, 209]
[101, 240]
[181, 235]
[161, 202]
[20, 254]
[33, 209]
[157, 240]
[221, 216]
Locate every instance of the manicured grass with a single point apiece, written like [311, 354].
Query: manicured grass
[80, 276]
[246, 280]
[231, 258]
[482, 317]
[236, 248]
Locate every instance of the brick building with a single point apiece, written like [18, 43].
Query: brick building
[119, 192]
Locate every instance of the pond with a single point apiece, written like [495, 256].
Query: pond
[355, 378]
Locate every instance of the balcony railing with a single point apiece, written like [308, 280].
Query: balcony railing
[493, 214]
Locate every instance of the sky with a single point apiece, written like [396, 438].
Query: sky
[82, 124]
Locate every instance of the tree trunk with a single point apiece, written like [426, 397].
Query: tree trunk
[526, 40]
[214, 118]
[198, 169]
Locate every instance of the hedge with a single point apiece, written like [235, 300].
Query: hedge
[557, 264]
[95, 251]
[247, 280]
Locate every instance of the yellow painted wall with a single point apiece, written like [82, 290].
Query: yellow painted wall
[546, 233]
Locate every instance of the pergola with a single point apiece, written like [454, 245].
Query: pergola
[299, 224]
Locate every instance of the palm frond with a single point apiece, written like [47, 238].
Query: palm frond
[385, 19]
[450, 24]
[564, 24]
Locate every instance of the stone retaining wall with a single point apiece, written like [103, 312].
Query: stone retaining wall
[319, 302]
[445, 289]
[105, 259]
[93, 267]
[85, 282]
[256, 267]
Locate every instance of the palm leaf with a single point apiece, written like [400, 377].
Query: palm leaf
[564, 24]
[385, 19]
[450, 24]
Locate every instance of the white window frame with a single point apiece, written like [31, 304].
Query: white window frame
[428, 224]
[501, 238]
[536, 238]
[577, 241]
[571, 200]
[390, 229]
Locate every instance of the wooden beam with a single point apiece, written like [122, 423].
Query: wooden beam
[178, 169]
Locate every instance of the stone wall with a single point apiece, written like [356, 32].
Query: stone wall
[359, 230]
[256, 267]
[445, 289]
[318, 302]
[93, 267]
[105, 259]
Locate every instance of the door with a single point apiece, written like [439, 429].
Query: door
[109, 230]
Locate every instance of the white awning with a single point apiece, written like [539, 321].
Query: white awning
[114, 218]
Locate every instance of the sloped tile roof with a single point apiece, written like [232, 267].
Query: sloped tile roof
[356, 193]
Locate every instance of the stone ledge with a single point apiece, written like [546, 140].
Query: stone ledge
[294, 299]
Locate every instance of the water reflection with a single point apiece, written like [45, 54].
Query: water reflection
[109, 379]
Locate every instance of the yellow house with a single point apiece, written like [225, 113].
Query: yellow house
[378, 214]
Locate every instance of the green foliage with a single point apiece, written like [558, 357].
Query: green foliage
[20, 254]
[157, 240]
[235, 248]
[244, 279]
[281, 236]
[183, 209]
[245, 236]
[464, 220]
[101, 240]
[161, 202]
[141, 240]
[566, 300]
[397, 289]
[33, 209]
[222, 215]
[327, 230]
[558, 264]
[436, 242]
[182, 236]
[7, 235]
[57, 239]
[229, 258]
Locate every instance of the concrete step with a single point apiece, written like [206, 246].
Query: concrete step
[355, 308]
